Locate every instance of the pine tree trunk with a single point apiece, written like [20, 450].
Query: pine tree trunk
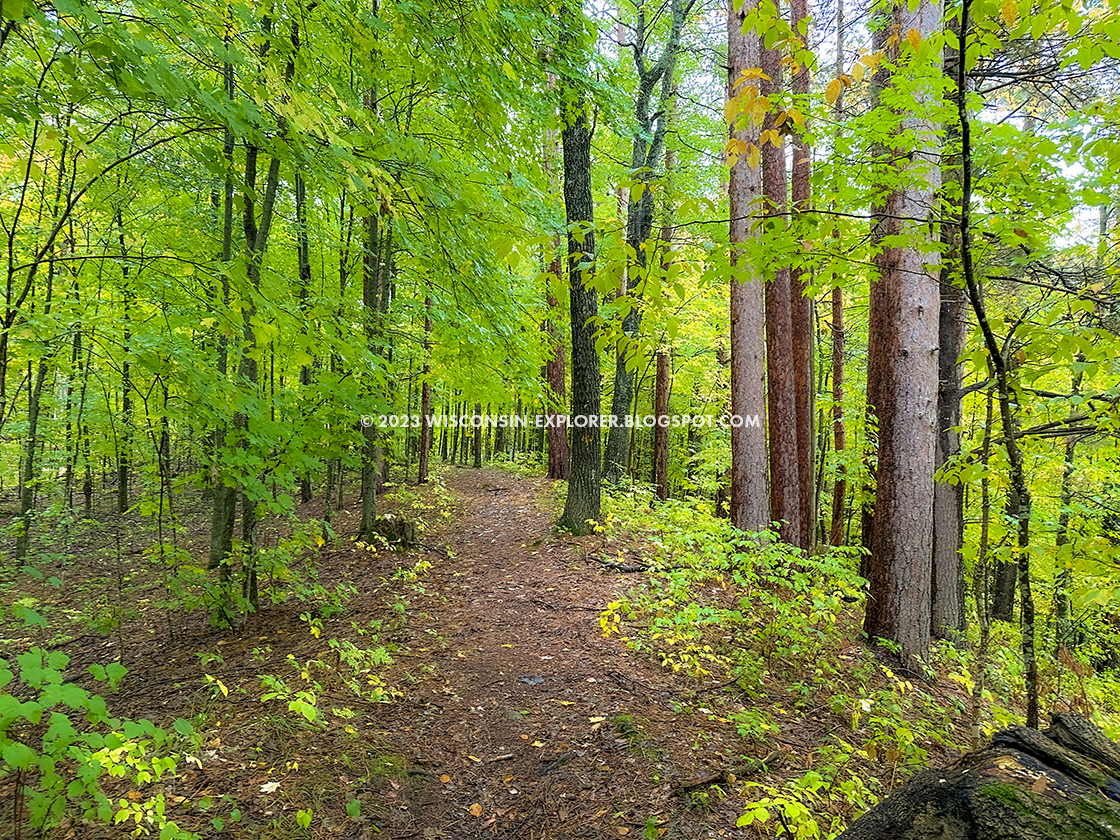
[905, 372]
[785, 469]
[750, 503]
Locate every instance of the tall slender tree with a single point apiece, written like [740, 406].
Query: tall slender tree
[781, 363]
[750, 503]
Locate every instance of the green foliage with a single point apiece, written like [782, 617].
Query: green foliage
[59, 742]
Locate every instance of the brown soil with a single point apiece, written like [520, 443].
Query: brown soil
[553, 730]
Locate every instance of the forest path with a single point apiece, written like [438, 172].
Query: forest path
[529, 723]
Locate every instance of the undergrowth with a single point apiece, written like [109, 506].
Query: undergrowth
[784, 629]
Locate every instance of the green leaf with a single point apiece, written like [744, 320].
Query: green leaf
[19, 756]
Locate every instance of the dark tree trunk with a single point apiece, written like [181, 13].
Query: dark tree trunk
[370, 469]
[839, 430]
[750, 503]
[124, 438]
[223, 499]
[426, 398]
[303, 254]
[948, 611]
[801, 306]
[1064, 578]
[661, 430]
[477, 448]
[582, 503]
[1018, 496]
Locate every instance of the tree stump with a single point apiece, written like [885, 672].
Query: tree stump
[1059, 784]
[396, 530]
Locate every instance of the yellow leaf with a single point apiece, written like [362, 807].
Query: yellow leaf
[731, 109]
[832, 92]
[915, 38]
[445, 778]
[476, 810]
[872, 60]
[797, 117]
[846, 80]
[754, 157]
[1009, 11]
[857, 72]
[474, 758]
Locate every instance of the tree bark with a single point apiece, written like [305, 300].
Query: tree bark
[124, 437]
[905, 371]
[661, 430]
[947, 608]
[800, 304]
[781, 364]
[303, 259]
[839, 429]
[426, 397]
[750, 508]
[584, 483]
[648, 142]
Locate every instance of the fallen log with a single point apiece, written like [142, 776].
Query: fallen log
[1059, 784]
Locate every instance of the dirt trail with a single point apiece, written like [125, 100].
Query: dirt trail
[532, 725]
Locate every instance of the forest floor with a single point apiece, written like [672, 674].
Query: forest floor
[510, 715]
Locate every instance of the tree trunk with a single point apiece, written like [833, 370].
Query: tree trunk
[947, 609]
[478, 436]
[661, 430]
[584, 492]
[426, 397]
[785, 470]
[1064, 577]
[303, 255]
[652, 124]
[370, 472]
[800, 304]
[905, 371]
[750, 508]
[124, 438]
[839, 430]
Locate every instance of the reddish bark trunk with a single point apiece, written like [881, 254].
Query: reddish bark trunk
[905, 372]
[750, 509]
[785, 495]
